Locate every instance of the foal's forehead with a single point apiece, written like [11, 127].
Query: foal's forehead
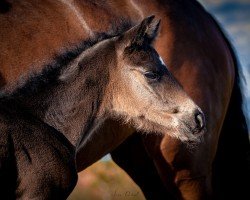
[146, 57]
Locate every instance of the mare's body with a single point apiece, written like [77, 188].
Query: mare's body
[189, 42]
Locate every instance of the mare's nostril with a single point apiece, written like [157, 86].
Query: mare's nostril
[200, 120]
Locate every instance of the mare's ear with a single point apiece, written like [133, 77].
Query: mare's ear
[145, 32]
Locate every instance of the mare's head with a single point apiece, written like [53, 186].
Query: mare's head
[145, 93]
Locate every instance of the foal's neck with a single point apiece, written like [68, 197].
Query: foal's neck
[75, 105]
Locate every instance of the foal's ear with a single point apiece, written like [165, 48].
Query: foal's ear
[146, 31]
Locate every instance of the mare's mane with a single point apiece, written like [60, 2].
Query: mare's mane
[49, 74]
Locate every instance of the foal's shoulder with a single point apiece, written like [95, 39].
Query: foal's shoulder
[32, 150]
[27, 130]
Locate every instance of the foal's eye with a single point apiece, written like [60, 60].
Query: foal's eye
[152, 75]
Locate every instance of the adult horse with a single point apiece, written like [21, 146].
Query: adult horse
[194, 49]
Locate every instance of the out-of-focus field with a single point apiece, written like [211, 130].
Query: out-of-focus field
[104, 180]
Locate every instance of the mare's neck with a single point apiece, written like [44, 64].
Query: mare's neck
[74, 106]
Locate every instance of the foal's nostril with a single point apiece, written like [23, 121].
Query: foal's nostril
[200, 120]
[175, 111]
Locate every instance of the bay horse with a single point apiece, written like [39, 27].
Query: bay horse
[198, 55]
[49, 114]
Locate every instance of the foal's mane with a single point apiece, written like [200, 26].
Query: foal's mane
[38, 82]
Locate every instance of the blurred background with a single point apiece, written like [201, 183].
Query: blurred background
[104, 180]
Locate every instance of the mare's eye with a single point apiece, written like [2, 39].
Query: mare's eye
[152, 75]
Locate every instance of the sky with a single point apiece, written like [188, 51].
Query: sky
[234, 17]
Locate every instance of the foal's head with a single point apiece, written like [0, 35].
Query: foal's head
[145, 93]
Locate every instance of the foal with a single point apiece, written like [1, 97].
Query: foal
[45, 119]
